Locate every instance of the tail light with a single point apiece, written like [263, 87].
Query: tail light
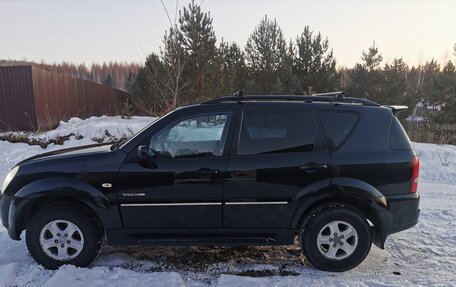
[415, 172]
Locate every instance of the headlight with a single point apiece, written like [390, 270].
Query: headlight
[9, 178]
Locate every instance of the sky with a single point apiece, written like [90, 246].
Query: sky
[88, 31]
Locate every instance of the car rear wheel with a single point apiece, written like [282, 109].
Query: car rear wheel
[335, 237]
[59, 235]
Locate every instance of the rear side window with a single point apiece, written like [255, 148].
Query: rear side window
[338, 126]
[264, 132]
[398, 138]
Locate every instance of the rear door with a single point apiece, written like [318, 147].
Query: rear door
[276, 154]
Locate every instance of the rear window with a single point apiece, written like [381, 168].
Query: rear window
[338, 126]
[264, 132]
[398, 138]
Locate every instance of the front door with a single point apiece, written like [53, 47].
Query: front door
[181, 184]
[276, 157]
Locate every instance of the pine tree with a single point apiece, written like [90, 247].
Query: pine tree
[359, 78]
[233, 71]
[431, 89]
[366, 77]
[448, 81]
[394, 84]
[175, 60]
[129, 81]
[415, 81]
[108, 81]
[265, 55]
[372, 59]
[289, 79]
[315, 66]
[197, 36]
[145, 89]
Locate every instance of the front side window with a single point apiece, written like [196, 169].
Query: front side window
[193, 137]
[264, 132]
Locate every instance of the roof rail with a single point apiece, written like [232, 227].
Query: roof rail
[335, 97]
[239, 94]
[339, 96]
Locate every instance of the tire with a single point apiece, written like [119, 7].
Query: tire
[61, 234]
[340, 252]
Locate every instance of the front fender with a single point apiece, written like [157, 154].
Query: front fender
[22, 205]
[60, 186]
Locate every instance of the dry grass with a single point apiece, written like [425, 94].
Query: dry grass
[24, 138]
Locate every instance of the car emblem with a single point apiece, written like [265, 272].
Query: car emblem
[134, 194]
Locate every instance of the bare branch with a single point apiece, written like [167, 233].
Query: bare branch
[167, 14]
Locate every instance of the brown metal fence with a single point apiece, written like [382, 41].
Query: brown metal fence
[17, 110]
[32, 98]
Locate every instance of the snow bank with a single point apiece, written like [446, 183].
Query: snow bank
[95, 128]
[99, 128]
[71, 276]
[307, 281]
[8, 274]
[437, 162]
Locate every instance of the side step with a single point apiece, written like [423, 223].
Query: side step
[142, 237]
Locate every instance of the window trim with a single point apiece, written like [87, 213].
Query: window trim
[237, 133]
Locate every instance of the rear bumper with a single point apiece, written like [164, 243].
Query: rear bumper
[402, 213]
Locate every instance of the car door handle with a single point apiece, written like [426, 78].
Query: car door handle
[312, 167]
[207, 172]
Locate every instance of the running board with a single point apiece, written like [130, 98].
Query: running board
[124, 237]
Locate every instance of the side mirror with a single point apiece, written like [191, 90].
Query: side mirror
[141, 153]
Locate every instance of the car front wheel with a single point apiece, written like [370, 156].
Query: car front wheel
[59, 235]
[335, 237]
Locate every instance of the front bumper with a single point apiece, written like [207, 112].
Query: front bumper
[8, 206]
[5, 202]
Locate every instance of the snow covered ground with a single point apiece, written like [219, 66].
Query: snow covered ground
[423, 255]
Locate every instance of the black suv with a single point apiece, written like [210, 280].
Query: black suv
[337, 172]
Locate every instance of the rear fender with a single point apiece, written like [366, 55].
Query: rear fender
[362, 196]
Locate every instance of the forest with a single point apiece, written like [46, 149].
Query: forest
[193, 65]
